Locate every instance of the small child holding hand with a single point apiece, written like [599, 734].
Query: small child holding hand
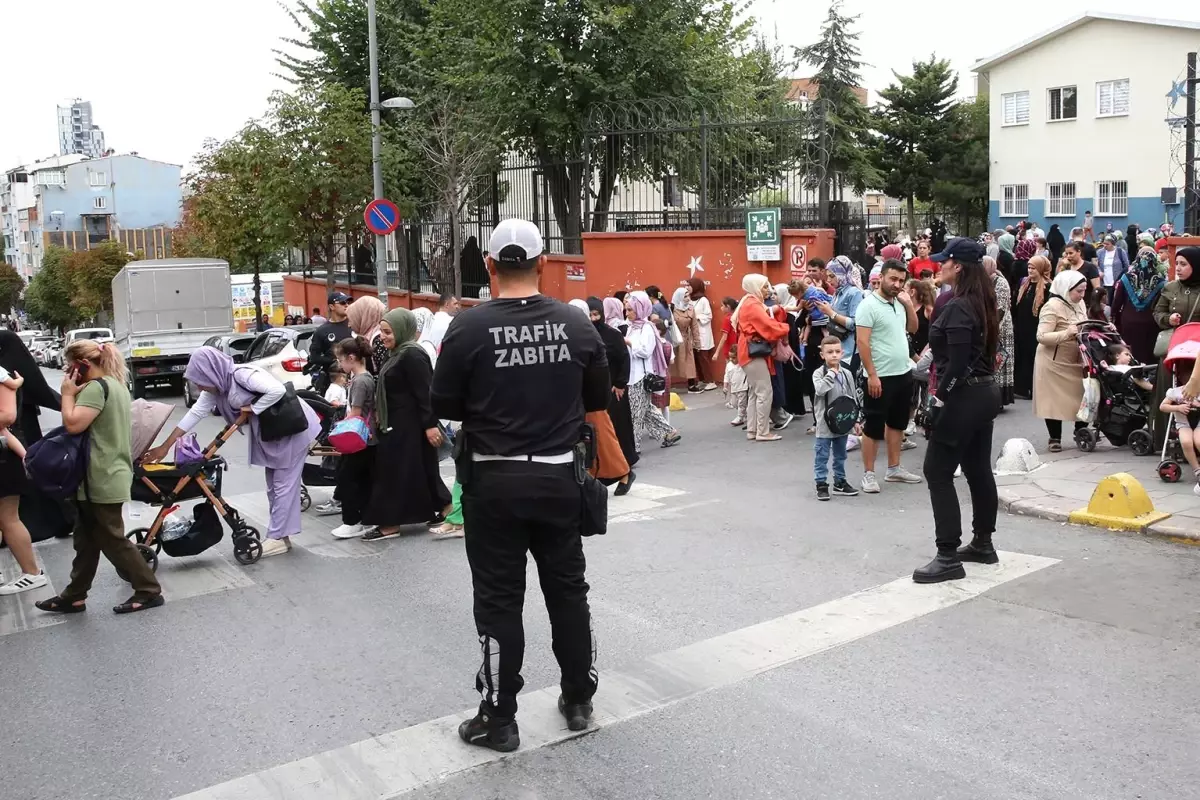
[9, 384]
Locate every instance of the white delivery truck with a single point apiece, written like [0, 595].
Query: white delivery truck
[165, 309]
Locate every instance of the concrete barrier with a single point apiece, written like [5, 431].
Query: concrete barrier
[1119, 503]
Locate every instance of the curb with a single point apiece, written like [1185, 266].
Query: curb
[1058, 509]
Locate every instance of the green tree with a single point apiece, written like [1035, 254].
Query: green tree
[964, 169]
[845, 121]
[11, 286]
[913, 135]
[48, 297]
[90, 273]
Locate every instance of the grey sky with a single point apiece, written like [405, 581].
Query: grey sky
[163, 76]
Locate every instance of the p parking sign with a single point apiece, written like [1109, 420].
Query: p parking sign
[763, 235]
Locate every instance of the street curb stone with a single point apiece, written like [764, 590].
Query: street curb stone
[1058, 509]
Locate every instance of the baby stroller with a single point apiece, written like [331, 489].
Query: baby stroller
[1122, 412]
[167, 485]
[1185, 346]
[325, 473]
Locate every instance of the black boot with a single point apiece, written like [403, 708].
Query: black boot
[576, 714]
[979, 551]
[484, 730]
[946, 567]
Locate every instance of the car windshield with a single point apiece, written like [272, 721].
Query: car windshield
[97, 334]
[240, 345]
[274, 346]
[304, 342]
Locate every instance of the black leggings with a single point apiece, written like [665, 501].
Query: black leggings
[963, 438]
[1054, 427]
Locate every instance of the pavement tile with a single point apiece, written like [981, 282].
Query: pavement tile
[1072, 489]
[1176, 528]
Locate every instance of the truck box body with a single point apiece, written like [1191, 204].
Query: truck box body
[163, 310]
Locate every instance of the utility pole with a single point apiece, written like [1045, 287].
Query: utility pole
[376, 148]
[1191, 192]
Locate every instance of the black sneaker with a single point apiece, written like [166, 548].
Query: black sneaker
[492, 733]
[822, 491]
[843, 489]
[576, 714]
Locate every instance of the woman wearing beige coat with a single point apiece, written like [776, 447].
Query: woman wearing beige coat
[1058, 366]
[684, 365]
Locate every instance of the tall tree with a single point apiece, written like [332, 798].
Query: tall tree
[11, 286]
[964, 169]
[48, 298]
[845, 121]
[913, 132]
[90, 274]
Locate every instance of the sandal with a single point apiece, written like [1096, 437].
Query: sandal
[56, 605]
[133, 605]
[448, 531]
[1055, 446]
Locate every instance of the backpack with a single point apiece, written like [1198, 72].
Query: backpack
[57, 463]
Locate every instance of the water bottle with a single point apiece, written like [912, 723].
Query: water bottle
[174, 527]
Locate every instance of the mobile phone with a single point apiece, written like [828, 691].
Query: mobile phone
[80, 373]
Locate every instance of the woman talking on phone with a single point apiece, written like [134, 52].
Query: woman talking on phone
[964, 337]
[95, 400]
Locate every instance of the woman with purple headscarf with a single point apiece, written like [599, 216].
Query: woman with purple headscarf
[240, 394]
[646, 357]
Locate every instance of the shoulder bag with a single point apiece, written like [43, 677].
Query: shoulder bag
[284, 418]
[841, 415]
[759, 348]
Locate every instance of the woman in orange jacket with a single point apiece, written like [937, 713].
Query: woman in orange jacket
[756, 325]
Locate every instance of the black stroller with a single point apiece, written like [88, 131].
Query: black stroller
[323, 474]
[167, 485]
[1123, 412]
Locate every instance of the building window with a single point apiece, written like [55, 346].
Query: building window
[1060, 199]
[1112, 198]
[99, 203]
[97, 178]
[1064, 104]
[1016, 108]
[1016, 200]
[52, 177]
[1112, 98]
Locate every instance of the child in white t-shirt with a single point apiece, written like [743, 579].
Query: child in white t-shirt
[737, 388]
[1186, 415]
[336, 394]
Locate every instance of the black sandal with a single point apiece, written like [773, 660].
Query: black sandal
[1055, 446]
[56, 605]
[133, 605]
[623, 488]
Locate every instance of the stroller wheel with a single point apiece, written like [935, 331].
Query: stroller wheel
[305, 499]
[250, 532]
[1140, 443]
[247, 551]
[1085, 440]
[1170, 471]
[138, 536]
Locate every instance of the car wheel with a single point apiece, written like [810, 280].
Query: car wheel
[188, 400]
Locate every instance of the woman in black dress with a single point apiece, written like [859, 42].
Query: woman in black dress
[1034, 291]
[618, 367]
[407, 488]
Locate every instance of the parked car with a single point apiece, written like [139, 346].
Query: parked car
[234, 345]
[100, 335]
[283, 352]
[54, 354]
[38, 349]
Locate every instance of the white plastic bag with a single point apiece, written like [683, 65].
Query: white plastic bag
[674, 336]
[174, 526]
[1090, 402]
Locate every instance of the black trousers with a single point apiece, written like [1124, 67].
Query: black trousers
[1054, 428]
[963, 436]
[510, 508]
[354, 482]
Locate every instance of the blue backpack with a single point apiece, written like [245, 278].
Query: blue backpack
[57, 463]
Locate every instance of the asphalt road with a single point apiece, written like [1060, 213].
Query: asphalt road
[1068, 672]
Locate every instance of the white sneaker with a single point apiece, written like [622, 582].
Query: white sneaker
[275, 547]
[901, 475]
[911, 429]
[737, 421]
[329, 509]
[869, 484]
[24, 584]
[908, 444]
[708, 387]
[350, 531]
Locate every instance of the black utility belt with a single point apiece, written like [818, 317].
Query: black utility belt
[980, 380]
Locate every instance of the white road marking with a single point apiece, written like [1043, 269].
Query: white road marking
[17, 613]
[394, 763]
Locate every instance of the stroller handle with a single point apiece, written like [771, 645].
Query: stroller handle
[224, 436]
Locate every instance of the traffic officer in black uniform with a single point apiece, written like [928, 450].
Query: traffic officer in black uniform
[320, 352]
[520, 371]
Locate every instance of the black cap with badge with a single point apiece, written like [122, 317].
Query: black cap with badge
[960, 248]
[339, 297]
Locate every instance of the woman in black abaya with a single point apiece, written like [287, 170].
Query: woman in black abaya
[1056, 242]
[618, 367]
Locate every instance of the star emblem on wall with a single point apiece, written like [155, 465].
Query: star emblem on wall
[1178, 92]
[694, 266]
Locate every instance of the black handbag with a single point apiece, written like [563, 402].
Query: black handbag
[283, 419]
[593, 495]
[654, 383]
[760, 348]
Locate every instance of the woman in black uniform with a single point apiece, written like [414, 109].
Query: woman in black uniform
[964, 338]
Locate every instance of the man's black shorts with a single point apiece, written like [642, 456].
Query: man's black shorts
[891, 409]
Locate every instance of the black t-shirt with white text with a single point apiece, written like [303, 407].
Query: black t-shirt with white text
[520, 374]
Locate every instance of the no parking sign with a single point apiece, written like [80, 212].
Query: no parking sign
[799, 259]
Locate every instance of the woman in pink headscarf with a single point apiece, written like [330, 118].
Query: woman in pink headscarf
[646, 358]
[892, 251]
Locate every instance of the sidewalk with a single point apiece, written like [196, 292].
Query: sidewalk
[1065, 482]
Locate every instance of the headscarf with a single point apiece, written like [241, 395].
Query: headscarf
[1055, 239]
[993, 250]
[582, 306]
[1062, 285]
[1025, 249]
[1142, 280]
[783, 297]
[1146, 239]
[1192, 256]
[892, 251]
[15, 357]
[680, 299]
[640, 303]
[989, 265]
[876, 272]
[752, 284]
[844, 270]
[209, 367]
[424, 317]
[697, 288]
[614, 312]
[595, 304]
[364, 316]
[404, 328]
[1007, 242]
[1039, 296]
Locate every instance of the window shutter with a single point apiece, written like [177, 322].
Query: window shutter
[1022, 106]
[1104, 100]
[1120, 97]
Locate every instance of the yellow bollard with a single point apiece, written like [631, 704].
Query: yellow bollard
[1119, 503]
[676, 403]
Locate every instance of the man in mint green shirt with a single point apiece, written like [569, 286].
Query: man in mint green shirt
[882, 323]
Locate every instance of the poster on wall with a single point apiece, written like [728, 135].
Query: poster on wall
[576, 272]
[243, 301]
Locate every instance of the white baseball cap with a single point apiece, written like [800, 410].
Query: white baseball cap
[515, 241]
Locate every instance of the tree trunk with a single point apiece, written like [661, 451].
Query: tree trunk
[565, 182]
[912, 217]
[608, 181]
[455, 248]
